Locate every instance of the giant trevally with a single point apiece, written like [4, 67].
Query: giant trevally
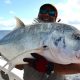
[62, 43]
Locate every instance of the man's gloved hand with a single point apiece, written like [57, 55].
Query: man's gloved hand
[40, 63]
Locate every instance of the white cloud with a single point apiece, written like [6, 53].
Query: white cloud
[27, 22]
[11, 23]
[8, 1]
[1, 18]
[70, 12]
[12, 12]
[7, 24]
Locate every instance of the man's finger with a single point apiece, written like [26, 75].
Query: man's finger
[20, 66]
[37, 56]
[30, 60]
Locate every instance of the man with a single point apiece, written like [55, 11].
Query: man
[47, 13]
[39, 66]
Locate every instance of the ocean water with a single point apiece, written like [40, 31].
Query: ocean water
[3, 33]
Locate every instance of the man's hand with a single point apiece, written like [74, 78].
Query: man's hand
[40, 63]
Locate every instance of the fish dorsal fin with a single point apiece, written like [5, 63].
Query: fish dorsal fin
[19, 23]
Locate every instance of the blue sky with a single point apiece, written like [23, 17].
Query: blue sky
[27, 10]
[23, 8]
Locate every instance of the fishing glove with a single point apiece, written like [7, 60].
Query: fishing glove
[40, 63]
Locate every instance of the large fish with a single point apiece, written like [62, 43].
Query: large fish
[57, 42]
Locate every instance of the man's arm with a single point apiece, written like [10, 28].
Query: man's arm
[67, 69]
[60, 69]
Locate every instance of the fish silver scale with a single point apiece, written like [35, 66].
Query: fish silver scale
[63, 48]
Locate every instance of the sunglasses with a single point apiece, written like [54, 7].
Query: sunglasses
[44, 11]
